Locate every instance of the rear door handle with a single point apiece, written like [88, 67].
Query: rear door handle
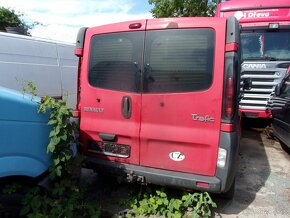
[126, 107]
[107, 136]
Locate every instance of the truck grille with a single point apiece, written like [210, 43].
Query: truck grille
[263, 84]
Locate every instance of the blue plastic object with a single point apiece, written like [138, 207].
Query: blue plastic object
[23, 135]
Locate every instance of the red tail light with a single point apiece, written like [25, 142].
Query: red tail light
[229, 97]
[230, 101]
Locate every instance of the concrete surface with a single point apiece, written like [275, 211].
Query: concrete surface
[263, 179]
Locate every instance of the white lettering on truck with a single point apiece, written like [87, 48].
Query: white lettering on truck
[254, 66]
[252, 14]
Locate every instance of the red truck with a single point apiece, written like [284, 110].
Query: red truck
[158, 101]
[265, 42]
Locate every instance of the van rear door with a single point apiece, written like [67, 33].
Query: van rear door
[110, 85]
[182, 94]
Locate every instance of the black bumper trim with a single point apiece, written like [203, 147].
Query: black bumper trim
[156, 176]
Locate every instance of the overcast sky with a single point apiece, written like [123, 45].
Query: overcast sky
[61, 19]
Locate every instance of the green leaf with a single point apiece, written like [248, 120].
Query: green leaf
[64, 137]
[56, 161]
[52, 122]
[163, 195]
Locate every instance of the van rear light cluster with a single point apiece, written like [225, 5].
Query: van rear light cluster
[222, 157]
[229, 97]
[230, 87]
[109, 148]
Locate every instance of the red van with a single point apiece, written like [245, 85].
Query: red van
[158, 100]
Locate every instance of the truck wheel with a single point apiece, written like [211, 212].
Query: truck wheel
[229, 195]
[285, 147]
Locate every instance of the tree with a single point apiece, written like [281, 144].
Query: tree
[183, 8]
[10, 18]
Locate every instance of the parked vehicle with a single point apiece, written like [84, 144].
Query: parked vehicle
[265, 42]
[50, 65]
[23, 136]
[158, 101]
[279, 104]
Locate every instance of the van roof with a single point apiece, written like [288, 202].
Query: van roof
[19, 36]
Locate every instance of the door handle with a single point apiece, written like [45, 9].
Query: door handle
[107, 136]
[126, 107]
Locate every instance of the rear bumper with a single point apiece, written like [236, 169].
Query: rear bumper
[219, 183]
[155, 176]
[256, 113]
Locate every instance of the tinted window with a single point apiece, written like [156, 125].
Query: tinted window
[115, 61]
[178, 60]
[265, 45]
[285, 89]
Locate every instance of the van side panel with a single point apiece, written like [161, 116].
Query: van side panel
[51, 66]
[68, 70]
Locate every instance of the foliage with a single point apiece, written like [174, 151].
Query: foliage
[11, 188]
[28, 87]
[65, 198]
[184, 8]
[62, 136]
[11, 18]
[160, 204]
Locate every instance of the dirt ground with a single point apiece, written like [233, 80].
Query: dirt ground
[262, 183]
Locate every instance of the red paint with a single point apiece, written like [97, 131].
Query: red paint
[160, 123]
[76, 113]
[232, 47]
[248, 11]
[78, 52]
[256, 113]
[227, 127]
[202, 184]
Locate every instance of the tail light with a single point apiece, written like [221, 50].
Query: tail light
[229, 97]
[230, 102]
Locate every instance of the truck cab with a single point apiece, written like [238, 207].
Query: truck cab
[158, 101]
[265, 46]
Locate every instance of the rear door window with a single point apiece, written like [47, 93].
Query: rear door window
[178, 60]
[115, 61]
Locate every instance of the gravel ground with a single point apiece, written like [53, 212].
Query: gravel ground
[263, 179]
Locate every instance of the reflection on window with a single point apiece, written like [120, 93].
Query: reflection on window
[178, 60]
[266, 45]
[115, 61]
[285, 90]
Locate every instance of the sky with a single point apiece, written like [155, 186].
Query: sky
[61, 19]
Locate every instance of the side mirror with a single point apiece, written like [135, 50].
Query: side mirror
[247, 84]
[278, 89]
